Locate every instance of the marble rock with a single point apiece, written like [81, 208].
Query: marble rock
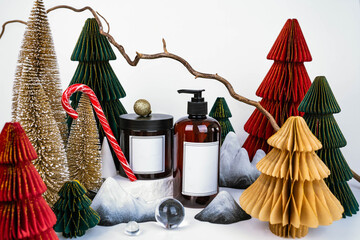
[148, 190]
[222, 210]
[236, 170]
[115, 205]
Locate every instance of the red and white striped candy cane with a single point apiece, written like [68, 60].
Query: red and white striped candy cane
[100, 114]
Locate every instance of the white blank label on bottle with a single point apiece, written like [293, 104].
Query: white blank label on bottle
[200, 169]
[147, 155]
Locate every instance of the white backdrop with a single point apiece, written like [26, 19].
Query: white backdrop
[228, 37]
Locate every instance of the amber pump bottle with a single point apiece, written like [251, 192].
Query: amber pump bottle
[196, 154]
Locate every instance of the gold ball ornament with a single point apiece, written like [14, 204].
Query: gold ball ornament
[142, 107]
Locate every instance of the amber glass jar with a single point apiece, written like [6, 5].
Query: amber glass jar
[147, 145]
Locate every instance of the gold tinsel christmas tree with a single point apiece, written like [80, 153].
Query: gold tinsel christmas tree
[39, 47]
[35, 115]
[83, 149]
[290, 193]
[16, 85]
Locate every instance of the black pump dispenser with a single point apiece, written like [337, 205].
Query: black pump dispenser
[197, 106]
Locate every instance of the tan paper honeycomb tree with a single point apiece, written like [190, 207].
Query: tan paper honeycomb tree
[290, 193]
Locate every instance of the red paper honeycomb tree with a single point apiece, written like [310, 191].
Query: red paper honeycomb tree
[24, 214]
[282, 89]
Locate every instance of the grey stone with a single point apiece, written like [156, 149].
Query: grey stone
[236, 170]
[115, 205]
[222, 210]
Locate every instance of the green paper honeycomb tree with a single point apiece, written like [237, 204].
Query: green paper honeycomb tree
[73, 212]
[221, 112]
[319, 105]
[94, 52]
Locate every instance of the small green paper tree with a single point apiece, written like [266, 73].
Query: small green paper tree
[319, 105]
[93, 52]
[221, 112]
[73, 212]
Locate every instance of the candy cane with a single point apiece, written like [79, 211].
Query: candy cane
[100, 114]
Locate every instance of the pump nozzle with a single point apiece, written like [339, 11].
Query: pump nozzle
[197, 106]
[197, 94]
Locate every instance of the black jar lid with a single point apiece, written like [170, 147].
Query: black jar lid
[155, 121]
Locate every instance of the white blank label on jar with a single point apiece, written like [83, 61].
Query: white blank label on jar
[200, 169]
[147, 154]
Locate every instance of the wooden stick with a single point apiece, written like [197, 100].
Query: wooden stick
[109, 37]
[107, 23]
[355, 176]
[8, 22]
[166, 54]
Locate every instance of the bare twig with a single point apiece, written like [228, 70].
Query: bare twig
[217, 77]
[355, 176]
[107, 23]
[109, 37]
[166, 54]
[164, 47]
[8, 22]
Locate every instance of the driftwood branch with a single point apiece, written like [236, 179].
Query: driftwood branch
[215, 76]
[166, 54]
[107, 23]
[109, 37]
[355, 176]
[8, 22]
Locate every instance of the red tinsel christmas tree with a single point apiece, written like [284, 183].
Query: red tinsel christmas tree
[282, 89]
[24, 214]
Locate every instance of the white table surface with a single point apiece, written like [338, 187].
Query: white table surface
[344, 229]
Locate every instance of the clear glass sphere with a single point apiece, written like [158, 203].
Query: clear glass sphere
[170, 213]
[132, 228]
